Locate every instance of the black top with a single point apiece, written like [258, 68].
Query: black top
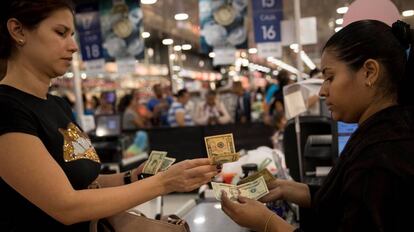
[49, 120]
[371, 188]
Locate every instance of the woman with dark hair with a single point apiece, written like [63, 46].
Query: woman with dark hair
[47, 164]
[368, 71]
[130, 118]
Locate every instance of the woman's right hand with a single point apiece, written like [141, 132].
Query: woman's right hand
[288, 190]
[188, 175]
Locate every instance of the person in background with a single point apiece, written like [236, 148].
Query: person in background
[243, 104]
[130, 119]
[274, 109]
[211, 111]
[178, 116]
[49, 169]
[106, 104]
[368, 68]
[159, 106]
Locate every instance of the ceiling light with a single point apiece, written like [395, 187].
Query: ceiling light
[294, 46]
[176, 68]
[167, 41]
[212, 54]
[177, 48]
[252, 50]
[186, 46]
[283, 65]
[181, 16]
[337, 29]
[342, 10]
[145, 34]
[408, 13]
[305, 58]
[148, 2]
[339, 21]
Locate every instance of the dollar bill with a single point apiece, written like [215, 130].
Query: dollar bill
[268, 177]
[154, 162]
[231, 190]
[253, 190]
[225, 158]
[166, 163]
[220, 148]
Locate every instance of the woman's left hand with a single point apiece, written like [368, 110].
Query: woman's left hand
[247, 212]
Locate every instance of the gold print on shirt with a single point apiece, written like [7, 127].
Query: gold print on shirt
[77, 145]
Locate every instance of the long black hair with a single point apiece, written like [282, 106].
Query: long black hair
[391, 46]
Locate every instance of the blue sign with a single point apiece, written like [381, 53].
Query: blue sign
[267, 15]
[89, 31]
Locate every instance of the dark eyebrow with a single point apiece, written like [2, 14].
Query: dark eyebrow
[65, 27]
[324, 70]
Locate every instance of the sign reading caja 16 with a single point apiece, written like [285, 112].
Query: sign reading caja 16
[267, 15]
[89, 31]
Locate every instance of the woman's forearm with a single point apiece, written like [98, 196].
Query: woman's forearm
[98, 203]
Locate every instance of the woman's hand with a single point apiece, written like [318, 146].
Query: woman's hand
[247, 213]
[187, 175]
[291, 191]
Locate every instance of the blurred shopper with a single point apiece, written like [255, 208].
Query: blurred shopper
[243, 104]
[178, 115]
[47, 164]
[159, 106]
[106, 103]
[130, 119]
[274, 110]
[211, 111]
[368, 69]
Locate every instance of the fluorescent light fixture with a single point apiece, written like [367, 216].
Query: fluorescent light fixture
[252, 50]
[83, 76]
[408, 13]
[294, 46]
[176, 68]
[342, 10]
[305, 58]
[167, 41]
[177, 48]
[148, 2]
[283, 65]
[260, 68]
[69, 74]
[186, 47]
[145, 34]
[212, 54]
[181, 16]
[339, 21]
[337, 29]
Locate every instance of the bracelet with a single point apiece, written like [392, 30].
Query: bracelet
[267, 222]
[127, 177]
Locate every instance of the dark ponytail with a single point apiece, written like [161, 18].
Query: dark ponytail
[372, 39]
[405, 35]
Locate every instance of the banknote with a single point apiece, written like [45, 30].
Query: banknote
[166, 163]
[225, 158]
[219, 145]
[154, 162]
[253, 190]
[220, 148]
[264, 172]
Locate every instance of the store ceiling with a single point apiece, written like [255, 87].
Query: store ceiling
[159, 19]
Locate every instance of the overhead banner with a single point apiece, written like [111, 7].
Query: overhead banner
[267, 15]
[121, 25]
[89, 35]
[223, 26]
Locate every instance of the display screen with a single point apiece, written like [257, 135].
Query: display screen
[108, 125]
[345, 131]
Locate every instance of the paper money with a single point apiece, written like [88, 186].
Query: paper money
[226, 158]
[268, 177]
[154, 162]
[220, 148]
[253, 190]
[166, 163]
